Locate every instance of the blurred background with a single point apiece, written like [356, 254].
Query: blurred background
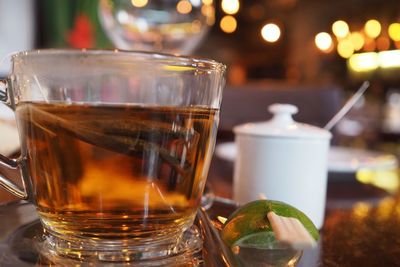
[285, 40]
[310, 53]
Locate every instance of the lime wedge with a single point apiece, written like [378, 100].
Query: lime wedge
[249, 224]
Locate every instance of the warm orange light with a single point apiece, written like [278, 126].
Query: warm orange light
[237, 74]
[228, 24]
[361, 210]
[207, 2]
[184, 7]
[271, 32]
[340, 28]
[394, 31]
[196, 26]
[369, 45]
[230, 6]
[323, 41]
[383, 43]
[372, 28]
[209, 12]
[139, 3]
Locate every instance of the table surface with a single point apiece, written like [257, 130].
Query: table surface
[362, 225]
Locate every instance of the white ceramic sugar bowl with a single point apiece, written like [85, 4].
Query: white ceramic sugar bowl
[283, 160]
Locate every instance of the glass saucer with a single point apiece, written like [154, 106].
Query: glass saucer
[30, 241]
[23, 243]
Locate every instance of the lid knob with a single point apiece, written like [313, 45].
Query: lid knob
[282, 125]
[282, 113]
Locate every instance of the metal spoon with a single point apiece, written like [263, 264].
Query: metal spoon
[347, 106]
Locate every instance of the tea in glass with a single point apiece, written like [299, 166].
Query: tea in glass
[115, 149]
[112, 172]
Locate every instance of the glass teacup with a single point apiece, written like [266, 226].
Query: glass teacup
[115, 147]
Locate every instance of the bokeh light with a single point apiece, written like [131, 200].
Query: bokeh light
[345, 48]
[323, 41]
[139, 3]
[384, 179]
[394, 31]
[228, 24]
[163, 25]
[207, 2]
[340, 29]
[230, 6]
[209, 12]
[389, 59]
[357, 40]
[372, 28]
[271, 32]
[364, 62]
[184, 7]
[361, 210]
[196, 3]
[196, 26]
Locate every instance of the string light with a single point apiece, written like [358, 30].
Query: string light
[195, 3]
[209, 12]
[372, 28]
[340, 28]
[345, 48]
[228, 24]
[323, 41]
[230, 7]
[139, 3]
[364, 62]
[271, 32]
[184, 7]
[394, 31]
[371, 61]
[389, 59]
[357, 40]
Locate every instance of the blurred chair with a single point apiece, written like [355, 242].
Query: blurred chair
[249, 103]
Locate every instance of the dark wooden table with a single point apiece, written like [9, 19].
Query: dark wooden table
[362, 224]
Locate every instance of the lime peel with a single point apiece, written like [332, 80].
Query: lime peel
[251, 219]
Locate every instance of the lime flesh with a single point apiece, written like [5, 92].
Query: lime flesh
[250, 226]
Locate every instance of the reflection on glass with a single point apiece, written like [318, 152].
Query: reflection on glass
[166, 26]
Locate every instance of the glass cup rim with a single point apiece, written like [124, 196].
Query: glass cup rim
[156, 57]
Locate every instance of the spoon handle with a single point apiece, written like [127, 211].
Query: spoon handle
[349, 104]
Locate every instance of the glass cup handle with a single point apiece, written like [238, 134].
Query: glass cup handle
[7, 163]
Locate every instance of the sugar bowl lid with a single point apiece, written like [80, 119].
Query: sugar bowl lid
[282, 125]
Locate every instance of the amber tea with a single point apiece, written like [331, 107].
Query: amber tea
[115, 150]
[114, 172]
